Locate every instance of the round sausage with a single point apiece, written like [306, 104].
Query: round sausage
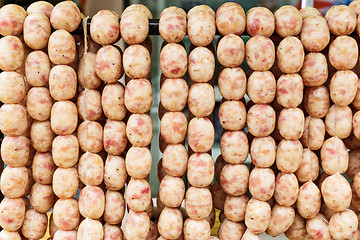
[257, 216]
[315, 34]
[40, 6]
[308, 12]
[232, 83]
[14, 181]
[91, 202]
[172, 25]
[288, 21]
[37, 31]
[114, 207]
[69, 235]
[90, 229]
[343, 87]
[289, 90]
[12, 213]
[105, 27]
[137, 226]
[173, 60]
[115, 174]
[15, 151]
[39, 103]
[134, 27]
[336, 192]
[201, 99]
[91, 169]
[196, 229]
[8, 235]
[174, 94]
[12, 87]
[318, 227]
[234, 179]
[12, 18]
[309, 200]
[231, 230]
[61, 47]
[334, 156]
[287, 189]
[139, 130]
[201, 134]
[200, 169]
[42, 197]
[231, 51]
[297, 229]
[309, 167]
[314, 71]
[354, 163]
[317, 101]
[35, 224]
[11, 53]
[341, 20]
[90, 135]
[201, 28]
[340, 55]
[173, 127]
[175, 159]
[262, 183]
[136, 61]
[338, 121]
[62, 82]
[261, 87]
[138, 162]
[65, 15]
[86, 71]
[198, 203]
[43, 168]
[290, 55]
[114, 137]
[64, 117]
[37, 68]
[65, 182]
[112, 231]
[201, 64]
[314, 133]
[234, 147]
[89, 105]
[281, 219]
[112, 101]
[291, 123]
[172, 191]
[261, 120]
[230, 19]
[108, 63]
[260, 21]
[138, 195]
[140, 8]
[170, 223]
[289, 155]
[65, 151]
[343, 225]
[260, 53]
[263, 151]
[234, 207]
[232, 115]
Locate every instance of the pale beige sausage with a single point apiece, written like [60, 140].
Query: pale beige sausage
[232, 83]
[201, 134]
[315, 33]
[35, 224]
[138, 7]
[62, 82]
[257, 216]
[309, 167]
[314, 133]
[334, 156]
[287, 189]
[65, 182]
[170, 223]
[111, 231]
[234, 147]
[289, 90]
[65, 151]
[288, 21]
[173, 94]
[309, 200]
[172, 191]
[12, 213]
[290, 55]
[201, 28]
[260, 53]
[37, 68]
[43, 168]
[262, 183]
[317, 101]
[260, 21]
[139, 130]
[200, 169]
[40, 6]
[174, 161]
[91, 169]
[137, 226]
[91, 202]
[108, 64]
[86, 71]
[230, 19]
[281, 219]
[115, 174]
[338, 121]
[232, 115]
[90, 229]
[288, 155]
[341, 20]
[173, 127]
[201, 100]
[234, 207]
[42, 197]
[291, 123]
[136, 61]
[14, 181]
[65, 15]
[263, 151]
[343, 53]
[8, 235]
[138, 162]
[261, 87]
[138, 195]
[201, 64]
[68, 235]
[172, 25]
[231, 51]
[234, 179]
[336, 192]
[314, 71]
[12, 87]
[261, 120]
[318, 227]
[105, 27]
[89, 105]
[12, 19]
[15, 151]
[231, 230]
[114, 137]
[90, 135]
[39, 103]
[61, 47]
[134, 27]
[297, 229]
[37, 31]
[112, 101]
[196, 229]
[11, 53]
[173, 60]
[308, 12]
[343, 87]
[198, 203]
[343, 225]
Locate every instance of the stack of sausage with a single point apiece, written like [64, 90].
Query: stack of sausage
[134, 26]
[173, 126]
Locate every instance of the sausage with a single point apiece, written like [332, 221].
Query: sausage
[89, 105]
[232, 83]
[200, 169]
[317, 101]
[314, 71]
[196, 229]
[65, 15]
[201, 99]
[263, 151]
[62, 82]
[139, 130]
[230, 25]
[281, 219]
[115, 174]
[341, 20]
[15, 151]
[70, 235]
[286, 189]
[262, 183]
[290, 55]
[288, 21]
[339, 56]
[112, 231]
[138, 195]
[314, 133]
[35, 224]
[65, 151]
[37, 68]
[260, 21]
[318, 227]
[105, 27]
[137, 226]
[261, 120]
[309, 167]
[43, 168]
[134, 27]
[108, 63]
[289, 155]
[234, 207]
[261, 87]
[12, 213]
[14, 181]
[90, 135]
[172, 24]
[343, 225]
[86, 71]
[201, 28]
[40, 6]
[234, 179]
[315, 39]
[65, 182]
[297, 229]
[201, 134]
[232, 115]
[39, 103]
[90, 229]
[260, 53]
[173, 60]
[257, 216]
[291, 123]
[231, 230]
[343, 87]
[91, 202]
[12, 19]
[334, 156]
[338, 121]
[8, 235]
[309, 200]
[174, 94]
[114, 137]
[37, 31]
[61, 47]
[42, 197]
[138, 7]
[231, 51]
[114, 207]
[173, 127]
[91, 169]
[201, 64]
[289, 90]
[12, 87]
[138, 162]
[175, 159]
[112, 101]
[170, 223]
[308, 12]
[11, 53]
[198, 203]
[136, 61]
